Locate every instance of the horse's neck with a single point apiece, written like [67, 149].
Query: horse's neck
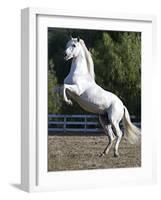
[79, 64]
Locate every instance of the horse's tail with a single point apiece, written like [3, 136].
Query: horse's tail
[131, 131]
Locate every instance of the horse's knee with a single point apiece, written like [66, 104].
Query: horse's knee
[117, 129]
[119, 134]
[112, 137]
[109, 130]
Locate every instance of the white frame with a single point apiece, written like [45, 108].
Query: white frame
[32, 140]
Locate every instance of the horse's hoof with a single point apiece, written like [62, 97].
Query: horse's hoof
[101, 154]
[69, 102]
[116, 155]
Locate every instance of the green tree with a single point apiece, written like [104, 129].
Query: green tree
[54, 99]
[118, 67]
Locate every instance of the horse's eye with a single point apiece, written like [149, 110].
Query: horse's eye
[73, 45]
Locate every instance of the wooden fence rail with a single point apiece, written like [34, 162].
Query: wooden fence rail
[78, 123]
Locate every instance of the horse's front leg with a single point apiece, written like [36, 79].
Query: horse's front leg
[73, 89]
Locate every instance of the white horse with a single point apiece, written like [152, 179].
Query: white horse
[80, 86]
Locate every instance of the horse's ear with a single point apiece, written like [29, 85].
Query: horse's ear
[71, 37]
[78, 39]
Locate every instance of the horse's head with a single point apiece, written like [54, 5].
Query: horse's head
[72, 48]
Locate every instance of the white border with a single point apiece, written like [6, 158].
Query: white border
[34, 83]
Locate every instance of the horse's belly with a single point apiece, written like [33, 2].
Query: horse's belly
[90, 106]
[94, 100]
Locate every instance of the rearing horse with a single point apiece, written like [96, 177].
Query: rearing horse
[80, 86]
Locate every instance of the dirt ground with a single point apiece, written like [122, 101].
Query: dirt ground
[77, 152]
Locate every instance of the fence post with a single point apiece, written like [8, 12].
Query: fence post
[64, 123]
[85, 125]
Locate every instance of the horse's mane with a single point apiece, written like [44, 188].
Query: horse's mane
[90, 64]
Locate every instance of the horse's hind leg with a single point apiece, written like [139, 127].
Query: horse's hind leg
[111, 138]
[115, 114]
[108, 130]
[119, 134]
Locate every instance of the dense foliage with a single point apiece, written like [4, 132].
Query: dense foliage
[117, 60]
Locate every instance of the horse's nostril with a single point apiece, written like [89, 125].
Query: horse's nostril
[65, 54]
